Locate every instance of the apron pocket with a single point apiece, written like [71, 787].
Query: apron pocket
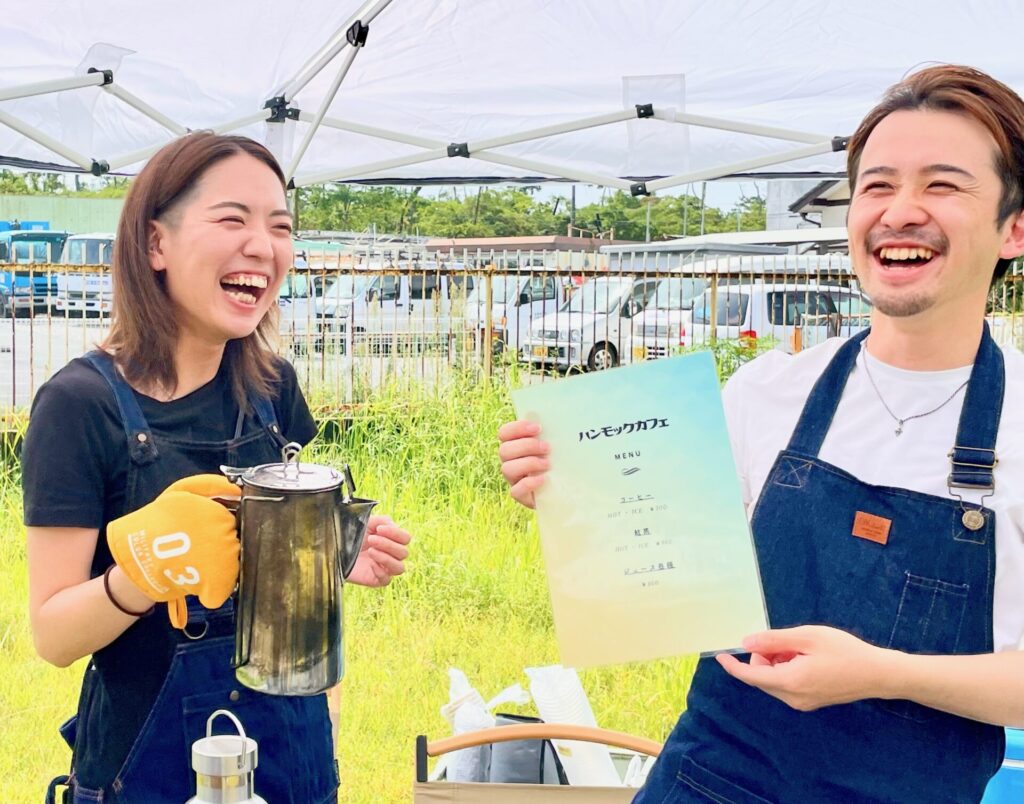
[711, 786]
[928, 621]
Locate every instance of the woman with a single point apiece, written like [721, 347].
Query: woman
[184, 383]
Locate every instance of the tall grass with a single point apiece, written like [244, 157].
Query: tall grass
[474, 597]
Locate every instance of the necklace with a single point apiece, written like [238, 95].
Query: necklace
[901, 421]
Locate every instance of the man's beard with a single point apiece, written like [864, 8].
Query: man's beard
[903, 306]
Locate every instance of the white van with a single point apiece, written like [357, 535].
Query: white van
[592, 330]
[659, 329]
[422, 305]
[517, 300]
[86, 292]
[777, 310]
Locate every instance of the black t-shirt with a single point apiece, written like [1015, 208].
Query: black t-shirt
[75, 467]
[75, 458]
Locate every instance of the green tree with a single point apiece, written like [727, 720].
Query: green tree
[13, 183]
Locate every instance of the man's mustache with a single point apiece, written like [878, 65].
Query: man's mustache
[933, 240]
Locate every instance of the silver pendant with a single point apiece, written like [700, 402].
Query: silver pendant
[973, 520]
[899, 427]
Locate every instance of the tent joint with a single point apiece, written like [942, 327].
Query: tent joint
[357, 33]
[281, 110]
[644, 110]
[840, 143]
[459, 149]
[108, 75]
[99, 166]
[639, 187]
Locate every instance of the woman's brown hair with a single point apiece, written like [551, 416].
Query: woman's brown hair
[969, 92]
[142, 336]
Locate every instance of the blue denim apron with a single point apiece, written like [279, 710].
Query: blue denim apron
[928, 589]
[296, 759]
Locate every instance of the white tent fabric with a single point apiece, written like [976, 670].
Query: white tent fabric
[435, 72]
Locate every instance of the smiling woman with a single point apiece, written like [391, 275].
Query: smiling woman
[186, 383]
[181, 240]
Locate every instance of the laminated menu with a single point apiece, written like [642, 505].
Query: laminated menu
[643, 529]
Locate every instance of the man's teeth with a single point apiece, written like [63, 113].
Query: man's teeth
[920, 252]
[242, 296]
[247, 280]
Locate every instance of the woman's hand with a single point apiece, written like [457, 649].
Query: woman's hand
[182, 543]
[383, 553]
[523, 459]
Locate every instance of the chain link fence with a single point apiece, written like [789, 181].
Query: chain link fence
[351, 322]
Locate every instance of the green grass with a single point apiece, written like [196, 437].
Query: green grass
[474, 597]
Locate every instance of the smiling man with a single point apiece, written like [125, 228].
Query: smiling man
[886, 497]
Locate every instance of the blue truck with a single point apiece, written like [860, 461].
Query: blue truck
[25, 289]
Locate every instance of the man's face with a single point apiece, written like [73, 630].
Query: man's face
[922, 222]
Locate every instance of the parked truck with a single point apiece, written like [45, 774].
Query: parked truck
[25, 289]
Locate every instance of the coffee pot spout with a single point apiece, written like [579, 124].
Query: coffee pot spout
[353, 517]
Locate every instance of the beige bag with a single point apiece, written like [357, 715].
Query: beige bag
[425, 792]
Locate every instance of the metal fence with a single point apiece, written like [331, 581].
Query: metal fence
[353, 322]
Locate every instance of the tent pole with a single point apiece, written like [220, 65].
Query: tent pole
[242, 122]
[346, 63]
[366, 14]
[583, 176]
[373, 131]
[46, 141]
[738, 167]
[145, 153]
[373, 167]
[548, 131]
[139, 104]
[46, 87]
[741, 128]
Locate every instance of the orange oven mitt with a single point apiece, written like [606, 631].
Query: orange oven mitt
[182, 543]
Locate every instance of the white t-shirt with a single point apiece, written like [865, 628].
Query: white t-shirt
[763, 401]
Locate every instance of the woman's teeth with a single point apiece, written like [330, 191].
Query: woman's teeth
[239, 281]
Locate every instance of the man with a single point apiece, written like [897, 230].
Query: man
[888, 475]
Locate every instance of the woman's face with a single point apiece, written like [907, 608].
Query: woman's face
[224, 250]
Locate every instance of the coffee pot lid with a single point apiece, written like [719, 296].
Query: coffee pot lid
[220, 755]
[291, 475]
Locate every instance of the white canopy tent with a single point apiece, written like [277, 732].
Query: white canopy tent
[632, 94]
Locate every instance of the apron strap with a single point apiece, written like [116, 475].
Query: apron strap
[141, 448]
[820, 408]
[973, 457]
[268, 419]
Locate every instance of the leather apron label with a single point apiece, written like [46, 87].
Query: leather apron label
[871, 527]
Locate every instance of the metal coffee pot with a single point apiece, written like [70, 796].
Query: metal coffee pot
[300, 530]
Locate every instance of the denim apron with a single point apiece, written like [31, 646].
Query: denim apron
[296, 760]
[927, 588]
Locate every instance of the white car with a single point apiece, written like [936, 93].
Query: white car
[777, 311]
[420, 307]
[517, 300]
[659, 330]
[592, 329]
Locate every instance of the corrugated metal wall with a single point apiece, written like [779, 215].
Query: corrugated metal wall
[75, 215]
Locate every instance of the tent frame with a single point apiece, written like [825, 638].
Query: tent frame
[347, 41]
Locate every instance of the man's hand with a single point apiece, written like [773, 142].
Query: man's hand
[382, 554]
[523, 459]
[811, 666]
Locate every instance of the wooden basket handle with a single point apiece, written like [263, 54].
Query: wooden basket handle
[530, 731]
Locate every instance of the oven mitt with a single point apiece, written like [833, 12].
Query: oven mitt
[182, 543]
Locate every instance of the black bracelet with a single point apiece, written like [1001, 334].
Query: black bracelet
[118, 606]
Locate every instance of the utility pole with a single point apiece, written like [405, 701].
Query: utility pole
[703, 196]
